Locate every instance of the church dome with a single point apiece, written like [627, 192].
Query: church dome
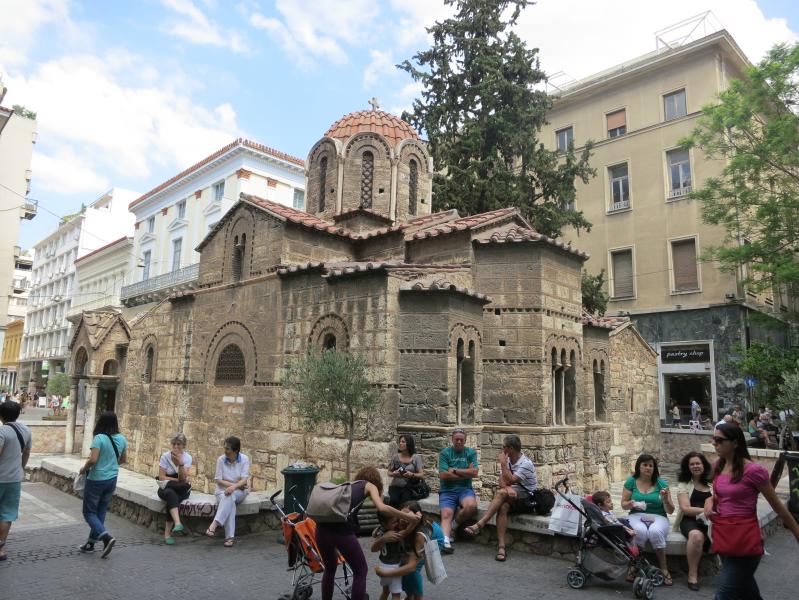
[390, 127]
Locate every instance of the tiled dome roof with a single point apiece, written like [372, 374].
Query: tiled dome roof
[392, 128]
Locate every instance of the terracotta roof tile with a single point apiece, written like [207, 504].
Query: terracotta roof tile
[343, 269]
[389, 126]
[208, 159]
[604, 322]
[442, 285]
[524, 234]
[459, 224]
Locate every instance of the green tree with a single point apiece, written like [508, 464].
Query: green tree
[768, 364]
[595, 299]
[788, 398]
[482, 109]
[23, 112]
[58, 384]
[331, 388]
[754, 129]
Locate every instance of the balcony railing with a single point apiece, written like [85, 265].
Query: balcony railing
[622, 205]
[29, 208]
[167, 280]
[679, 192]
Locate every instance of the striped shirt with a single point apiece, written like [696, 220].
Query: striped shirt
[524, 469]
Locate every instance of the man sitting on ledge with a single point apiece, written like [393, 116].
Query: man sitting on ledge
[517, 480]
[457, 465]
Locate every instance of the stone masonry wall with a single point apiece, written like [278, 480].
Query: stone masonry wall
[50, 437]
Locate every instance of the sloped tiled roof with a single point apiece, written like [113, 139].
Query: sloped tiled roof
[97, 325]
[604, 322]
[334, 270]
[517, 234]
[209, 159]
[389, 126]
[431, 284]
[437, 228]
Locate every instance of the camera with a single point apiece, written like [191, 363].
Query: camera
[401, 469]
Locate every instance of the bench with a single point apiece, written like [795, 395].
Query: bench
[136, 498]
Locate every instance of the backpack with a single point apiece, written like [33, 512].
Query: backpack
[331, 503]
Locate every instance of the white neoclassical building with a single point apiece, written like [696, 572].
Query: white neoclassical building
[173, 218]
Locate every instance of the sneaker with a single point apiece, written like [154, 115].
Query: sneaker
[108, 545]
[447, 549]
[87, 547]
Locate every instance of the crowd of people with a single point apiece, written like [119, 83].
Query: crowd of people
[59, 405]
[724, 494]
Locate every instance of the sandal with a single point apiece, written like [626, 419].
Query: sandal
[472, 530]
[169, 541]
[501, 555]
[210, 532]
[667, 580]
[228, 543]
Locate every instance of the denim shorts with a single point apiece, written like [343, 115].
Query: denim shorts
[9, 501]
[453, 498]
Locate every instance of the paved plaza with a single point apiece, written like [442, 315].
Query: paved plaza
[45, 564]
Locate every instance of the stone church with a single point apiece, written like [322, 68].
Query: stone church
[473, 321]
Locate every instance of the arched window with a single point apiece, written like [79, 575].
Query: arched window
[570, 400]
[322, 182]
[367, 177]
[230, 367]
[110, 367]
[329, 341]
[413, 186]
[600, 410]
[149, 358]
[557, 388]
[238, 257]
[81, 359]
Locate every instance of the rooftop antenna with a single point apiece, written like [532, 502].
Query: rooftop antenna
[686, 31]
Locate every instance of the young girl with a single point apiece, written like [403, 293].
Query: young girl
[389, 543]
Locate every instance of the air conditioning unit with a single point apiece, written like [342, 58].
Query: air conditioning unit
[58, 298]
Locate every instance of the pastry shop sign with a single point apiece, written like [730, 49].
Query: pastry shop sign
[685, 354]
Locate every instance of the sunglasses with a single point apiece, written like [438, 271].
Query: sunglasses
[718, 440]
[458, 430]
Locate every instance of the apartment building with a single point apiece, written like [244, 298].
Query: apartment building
[10, 356]
[647, 233]
[100, 276]
[53, 291]
[173, 218]
[18, 291]
[17, 136]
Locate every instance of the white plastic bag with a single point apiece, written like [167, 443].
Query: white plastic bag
[565, 518]
[433, 563]
[79, 483]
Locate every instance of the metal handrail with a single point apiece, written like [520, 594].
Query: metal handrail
[176, 277]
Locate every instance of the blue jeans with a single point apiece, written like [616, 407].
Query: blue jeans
[96, 500]
[737, 578]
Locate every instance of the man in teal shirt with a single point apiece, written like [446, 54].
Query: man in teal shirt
[457, 465]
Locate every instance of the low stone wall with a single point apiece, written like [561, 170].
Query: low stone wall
[49, 437]
[679, 442]
[767, 458]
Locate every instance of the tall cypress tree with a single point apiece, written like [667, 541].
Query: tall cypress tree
[482, 109]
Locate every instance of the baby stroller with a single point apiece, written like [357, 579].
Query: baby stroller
[606, 553]
[304, 558]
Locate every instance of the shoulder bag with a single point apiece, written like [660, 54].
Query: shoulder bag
[330, 503]
[433, 563]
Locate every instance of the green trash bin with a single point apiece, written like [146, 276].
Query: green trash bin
[299, 482]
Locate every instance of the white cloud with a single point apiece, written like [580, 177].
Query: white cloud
[316, 29]
[381, 64]
[105, 124]
[20, 21]
[197, 29]
[410, 29]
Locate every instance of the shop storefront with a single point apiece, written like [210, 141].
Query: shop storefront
[687, 373]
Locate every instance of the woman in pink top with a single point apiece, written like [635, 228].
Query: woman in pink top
[737, 482]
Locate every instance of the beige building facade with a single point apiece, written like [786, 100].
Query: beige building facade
[647, 234]
[464, 321]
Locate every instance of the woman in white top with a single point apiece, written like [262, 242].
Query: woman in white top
[232, 474]
[692, 491]
[174, 485]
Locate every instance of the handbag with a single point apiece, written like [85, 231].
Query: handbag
[79, 483]
[736, 536]
[566, 519]
[418, 490]
[433, 563]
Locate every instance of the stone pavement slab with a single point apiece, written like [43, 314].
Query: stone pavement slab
[45, 564]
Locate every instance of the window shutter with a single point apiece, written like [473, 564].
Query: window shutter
[617, 119]
[622, 274]
[683, 259]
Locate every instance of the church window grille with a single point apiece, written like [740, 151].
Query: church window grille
[367, 178]
[413, 186]
[230, 366]
[322, 182]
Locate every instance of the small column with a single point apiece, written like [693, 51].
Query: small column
[90, 417]
[69, 441]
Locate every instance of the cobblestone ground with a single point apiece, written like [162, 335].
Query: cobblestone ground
[44, 563]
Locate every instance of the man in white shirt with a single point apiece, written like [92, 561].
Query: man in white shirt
[517, 482]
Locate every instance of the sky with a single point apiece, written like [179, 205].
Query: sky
[130, 93]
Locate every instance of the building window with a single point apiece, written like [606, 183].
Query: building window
[622, 273]
[177, 246]
[413, 186]
[299, 199]
[674, 105]
[149, 360]
[617, 123]
[146, 265]
[238, 256]
[619, 187]
[151, 225]
[322, 182]
[600, 409]
[230, 367]
[367, 178]
[182, 209]
[679, 173]
[219, 191]
[564, 138]
[683, 264]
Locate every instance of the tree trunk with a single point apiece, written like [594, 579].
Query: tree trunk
[350, 436]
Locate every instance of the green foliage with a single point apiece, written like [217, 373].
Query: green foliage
[595, 300]
[58, 384]
[23, 112]
[482, 108]
[755, 129]
[768, 363]
[789, 391]
[331, 388]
